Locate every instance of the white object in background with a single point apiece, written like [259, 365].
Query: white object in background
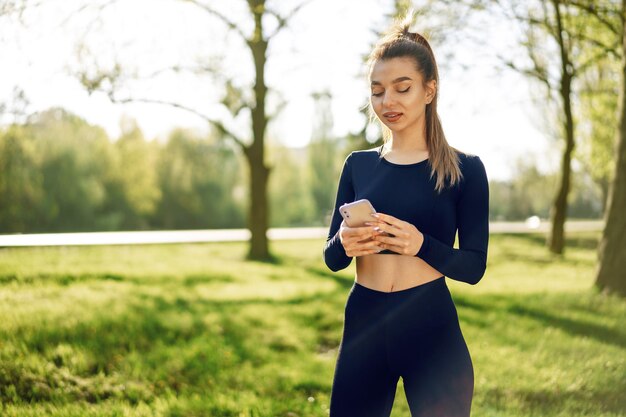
[533, 222]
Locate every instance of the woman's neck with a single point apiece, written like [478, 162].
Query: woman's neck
[404, 143]
[410, 139]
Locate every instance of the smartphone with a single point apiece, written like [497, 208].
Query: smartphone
[357, 213]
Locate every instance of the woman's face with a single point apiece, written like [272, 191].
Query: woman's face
[398, 95]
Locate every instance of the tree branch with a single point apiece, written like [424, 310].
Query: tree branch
[8, 8]
[535, 72]
[224, 19]
[219, 125]
[595, 11]
[566, 64]
[593, 60]
[284, 20]
[190, 69]
[99, 9]
[605, 49]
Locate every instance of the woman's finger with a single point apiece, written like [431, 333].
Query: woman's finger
[391, 229]
[351, 240]
[394, 248]
[395, 241]
[363, 249]
[358, 231]
[350, 236]
[359, 252]
[390, 220]
[368, 244]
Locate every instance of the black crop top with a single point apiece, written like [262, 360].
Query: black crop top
[408, 193]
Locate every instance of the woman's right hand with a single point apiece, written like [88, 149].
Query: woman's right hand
[357, 241]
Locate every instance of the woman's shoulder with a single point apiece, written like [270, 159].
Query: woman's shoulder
[472, 168]
[364, 155]
[469, 161]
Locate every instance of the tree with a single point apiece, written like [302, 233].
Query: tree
[132, 186]
[612, 249]
[20, 182]
[197, 176]
[74, 160]
[560, 47]
[526, 194]
[550, 19]
[291, 200]
[611, 15]
[598, 106]
[237, 99]
[598, 113]
[323, 158]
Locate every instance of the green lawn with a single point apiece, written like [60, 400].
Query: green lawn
[192, 330]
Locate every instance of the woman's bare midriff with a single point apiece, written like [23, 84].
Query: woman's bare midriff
[393, 272]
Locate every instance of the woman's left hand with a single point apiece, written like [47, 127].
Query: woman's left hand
[406, 239]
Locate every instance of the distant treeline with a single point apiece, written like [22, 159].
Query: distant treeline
[58, 173]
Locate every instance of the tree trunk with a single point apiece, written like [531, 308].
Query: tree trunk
[556, 240]
[611, 275]
[255, 153]
[604, 189]
[258, 210]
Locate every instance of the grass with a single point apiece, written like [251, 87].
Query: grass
[192, 330]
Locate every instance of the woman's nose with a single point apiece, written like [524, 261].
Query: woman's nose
[388, 98]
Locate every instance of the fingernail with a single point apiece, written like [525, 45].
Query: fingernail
[374, 214]
[377, 229]
[368, 223]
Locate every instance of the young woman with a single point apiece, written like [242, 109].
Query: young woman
[400, 319]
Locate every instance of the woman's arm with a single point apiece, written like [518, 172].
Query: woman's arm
[469, 262]
[334, 252]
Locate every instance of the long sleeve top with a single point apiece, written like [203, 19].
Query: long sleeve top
[407, 192]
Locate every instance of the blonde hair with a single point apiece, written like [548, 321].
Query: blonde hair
[400, 42]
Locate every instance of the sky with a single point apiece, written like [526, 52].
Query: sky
[484, 111]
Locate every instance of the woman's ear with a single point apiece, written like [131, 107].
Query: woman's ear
[431, 90]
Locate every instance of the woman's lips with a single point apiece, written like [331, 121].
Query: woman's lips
[392, 116]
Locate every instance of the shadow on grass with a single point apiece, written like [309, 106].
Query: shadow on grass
[205, 304]
[504, 305]
[511, 255]
[513, 251]
[69, 279]
[573, 327]
[579, 240]
[60, 279]
[192, 280]
[343, 282]
[548, 401]
[272, 259]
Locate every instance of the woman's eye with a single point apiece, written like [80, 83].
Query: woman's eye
[399, 91]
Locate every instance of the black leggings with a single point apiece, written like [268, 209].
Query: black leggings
[413, 334]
